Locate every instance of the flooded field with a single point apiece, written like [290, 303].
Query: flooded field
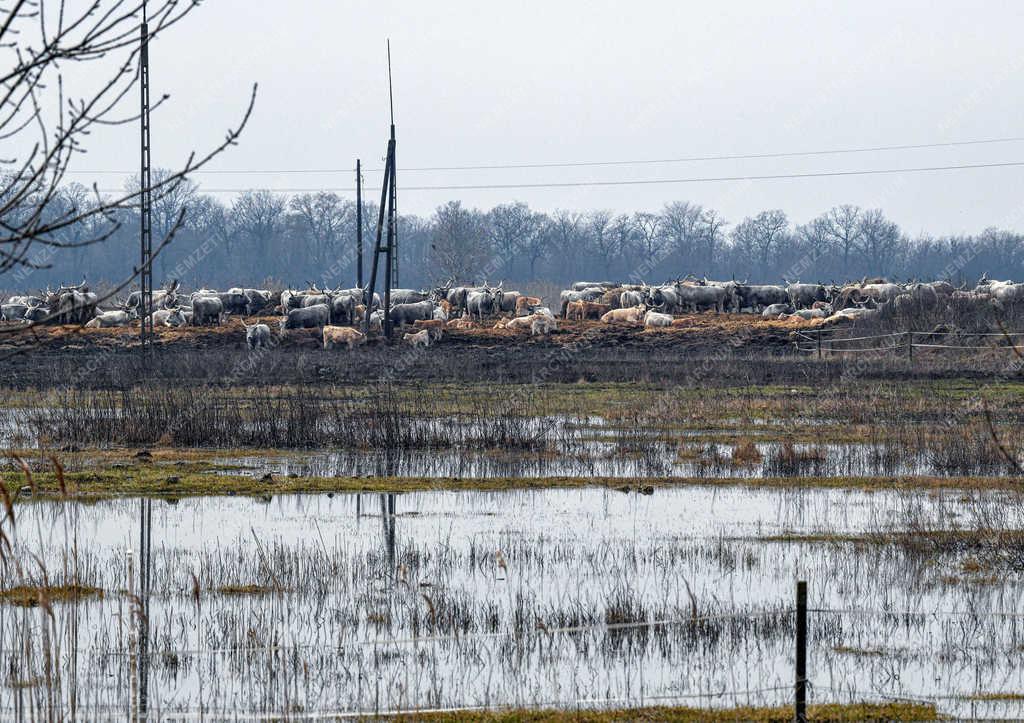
[634, 547]
[590, 597]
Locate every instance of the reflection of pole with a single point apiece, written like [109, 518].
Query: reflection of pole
[132, 678]
[387, 516]
[145, 570]
[800, 698]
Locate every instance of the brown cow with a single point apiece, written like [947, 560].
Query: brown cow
[523, 304]
[594, 310]
[420, 338]
[585, 310]
[434, 326]
[335, 336]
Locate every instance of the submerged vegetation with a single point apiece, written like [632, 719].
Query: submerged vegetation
[835, 712]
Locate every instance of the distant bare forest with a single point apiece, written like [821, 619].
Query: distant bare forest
[263, 237]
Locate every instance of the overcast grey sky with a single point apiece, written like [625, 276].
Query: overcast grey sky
[521, 82]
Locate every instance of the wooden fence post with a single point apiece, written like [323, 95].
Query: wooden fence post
[910, 345]
[819, 343]
[800, 701]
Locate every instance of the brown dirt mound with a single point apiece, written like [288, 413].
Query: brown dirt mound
[686, 331]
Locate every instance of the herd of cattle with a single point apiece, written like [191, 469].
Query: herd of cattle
[655, 305]
[348, 316]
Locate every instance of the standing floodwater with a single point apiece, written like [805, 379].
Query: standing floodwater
[439, 599]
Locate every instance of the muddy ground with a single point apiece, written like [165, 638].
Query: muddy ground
[703, 348]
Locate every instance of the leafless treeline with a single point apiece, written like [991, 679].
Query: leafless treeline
[260, 235]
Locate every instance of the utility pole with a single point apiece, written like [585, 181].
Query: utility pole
[359, 225]
[145, 201]
[388, 191]
[393, 202]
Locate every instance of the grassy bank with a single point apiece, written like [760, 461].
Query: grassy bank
[203, 479]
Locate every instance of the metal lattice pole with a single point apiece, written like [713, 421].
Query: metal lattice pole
[145, 307]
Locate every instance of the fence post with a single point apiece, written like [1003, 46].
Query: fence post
[819, 343]
[800, 702]
[910, 345]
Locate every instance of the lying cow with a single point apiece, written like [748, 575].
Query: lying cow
[168, 317]
[774, 310]
[420, 338]
[654, 319]
[107, 319]
[463, 323]
[541, 325]
[805, 314]
[335, 336]
[519, 323]
[629, 315]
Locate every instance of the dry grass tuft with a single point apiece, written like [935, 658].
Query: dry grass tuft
[828, 712]
[33, 595]
[746, 453]
[245, 589]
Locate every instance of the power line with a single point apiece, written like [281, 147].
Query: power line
[634, 182]
[635, 162]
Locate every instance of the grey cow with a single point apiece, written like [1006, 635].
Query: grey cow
[206, 310]
[308, 317]
[408, 313]
[257, 336]
[803, 296]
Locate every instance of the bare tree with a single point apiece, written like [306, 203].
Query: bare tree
[565, 235]
[322, 218]
[604, 241]
[879, 240]
[647, 234]
[47, 118]
[842, 229]
[511, 228]
[457, 246]
[680, 230]
[762, 234]
[711, 234]
[258, 216]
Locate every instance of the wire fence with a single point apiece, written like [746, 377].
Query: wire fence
[822, 342]
[802, 688]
